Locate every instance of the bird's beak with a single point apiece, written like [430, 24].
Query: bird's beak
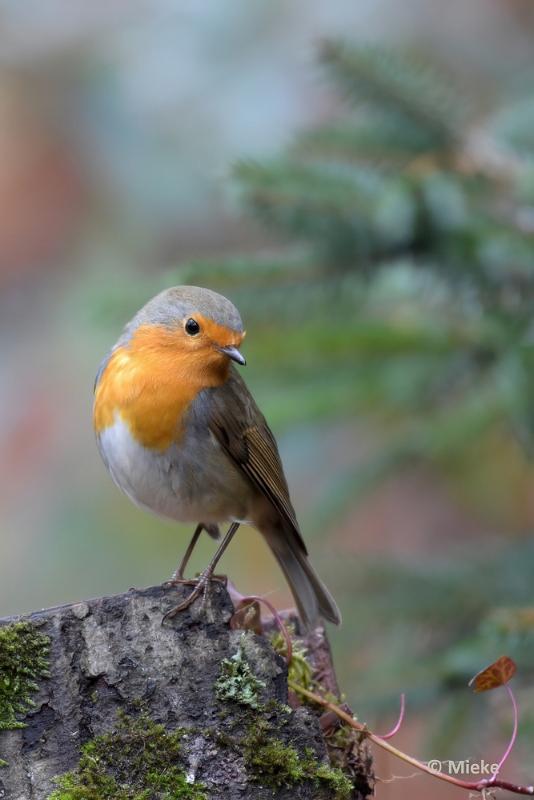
[233, 353]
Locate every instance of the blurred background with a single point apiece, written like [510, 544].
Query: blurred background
[359, 180]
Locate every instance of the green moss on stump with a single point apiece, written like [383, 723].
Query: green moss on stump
[23, 661]
[299, 670]
[139, 760]
[336, 780]
[270, 762]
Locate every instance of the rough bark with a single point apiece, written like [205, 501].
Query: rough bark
[113, 655]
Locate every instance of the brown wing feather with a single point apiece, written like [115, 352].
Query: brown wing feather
[241, 429]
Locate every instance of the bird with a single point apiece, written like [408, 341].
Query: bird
[182, 436]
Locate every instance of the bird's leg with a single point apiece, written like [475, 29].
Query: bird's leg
[178, 575]
[207, 575]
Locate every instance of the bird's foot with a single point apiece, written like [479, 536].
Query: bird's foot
[179, 580]
[201, 587]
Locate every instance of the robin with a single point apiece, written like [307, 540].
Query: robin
[181, 435]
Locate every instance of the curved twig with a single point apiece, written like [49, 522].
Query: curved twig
[475, 786]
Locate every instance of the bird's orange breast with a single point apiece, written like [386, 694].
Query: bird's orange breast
[150, 383]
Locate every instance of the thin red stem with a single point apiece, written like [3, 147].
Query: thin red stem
[512, 738]
[396, 729]
[279, 621]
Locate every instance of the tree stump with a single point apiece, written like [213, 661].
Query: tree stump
[186, 709]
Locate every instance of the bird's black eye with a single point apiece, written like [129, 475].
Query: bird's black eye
[192, 327]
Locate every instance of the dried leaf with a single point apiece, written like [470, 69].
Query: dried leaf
[497, 674]
[247, 616]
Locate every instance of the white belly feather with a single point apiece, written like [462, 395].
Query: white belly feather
[189, 482]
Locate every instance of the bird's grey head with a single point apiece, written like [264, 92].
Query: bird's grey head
[177, 304]
[204, 318]
[204, 322]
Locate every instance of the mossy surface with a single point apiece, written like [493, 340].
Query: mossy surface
[335, 779]
[237, 681]
[299, 670]
[271, 762]
[344, 773]
[23, 661]
[138, 760]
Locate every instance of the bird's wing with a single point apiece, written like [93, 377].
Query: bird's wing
[242, 431]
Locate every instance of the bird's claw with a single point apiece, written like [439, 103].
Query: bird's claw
[201, 585]
[179, 580]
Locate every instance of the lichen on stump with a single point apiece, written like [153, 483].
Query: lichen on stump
[136, 710]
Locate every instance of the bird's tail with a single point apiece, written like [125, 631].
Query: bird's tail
[312, 598]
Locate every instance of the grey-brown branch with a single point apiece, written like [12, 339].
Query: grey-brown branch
[192, 708]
